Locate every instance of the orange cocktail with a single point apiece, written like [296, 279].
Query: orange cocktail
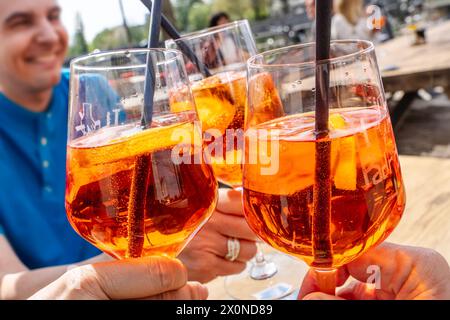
[367, 194]
[221, 101]
[174, 198]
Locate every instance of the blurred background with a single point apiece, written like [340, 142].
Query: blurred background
[415, 70]
[275, 23]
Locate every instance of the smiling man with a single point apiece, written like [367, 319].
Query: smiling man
[36, 240]
[34, 231]
[34, 44]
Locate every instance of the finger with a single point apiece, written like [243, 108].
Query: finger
[230, 202]
[217, 244]
[308, 286]
[191, 291]
[232, 226]
[225, 267]
[310, 283]
[246, 252]
[139, 278]
[342, 276]
[358, 291]
[320, 296]
[388, 264]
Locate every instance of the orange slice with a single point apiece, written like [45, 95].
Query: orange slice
[214, 112]
[345, 174]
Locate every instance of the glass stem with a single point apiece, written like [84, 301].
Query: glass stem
[261, 268]
[326, 280]
[259, 257]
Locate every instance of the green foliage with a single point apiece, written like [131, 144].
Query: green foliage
[116, 38]
[190, 15]
[199, 15]
[183, 9]
[261, 9]
[79, 45]
[243, 9]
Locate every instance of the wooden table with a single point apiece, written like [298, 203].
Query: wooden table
[417, 67]
[425, 222]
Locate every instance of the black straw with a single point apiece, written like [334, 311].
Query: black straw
[323, 30]
[174, 34]
[149, 85]
[143, 163]
[321, 221]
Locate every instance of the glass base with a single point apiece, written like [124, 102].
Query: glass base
[283, 284]
[263, 270]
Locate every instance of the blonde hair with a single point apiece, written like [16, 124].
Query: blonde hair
[352, 10]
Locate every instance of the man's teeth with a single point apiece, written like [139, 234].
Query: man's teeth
[45, 59]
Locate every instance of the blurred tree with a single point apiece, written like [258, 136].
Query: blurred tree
[235, 9]
[191, 14]
[125, 24]
[116, 38]
[182, 9]
[260, 9]
[199, 16]
[243, 9]
[79, 45]
[167, 9]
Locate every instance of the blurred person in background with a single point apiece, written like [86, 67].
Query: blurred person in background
[211, 49]
[219, 19]
[310, 8]
[351, 22]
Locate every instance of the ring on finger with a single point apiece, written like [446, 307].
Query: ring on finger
[234, 248]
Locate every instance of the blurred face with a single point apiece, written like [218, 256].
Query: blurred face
[222, 20]
[33, 44]
[311, 9]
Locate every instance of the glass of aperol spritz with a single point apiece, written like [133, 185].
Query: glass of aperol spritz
[281, 167]
[135, 190]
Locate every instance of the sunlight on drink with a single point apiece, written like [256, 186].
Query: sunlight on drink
[221, 101]
[368, 197]
[100, 169]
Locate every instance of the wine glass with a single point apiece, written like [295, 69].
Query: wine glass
[285, 161]
[218, 78]
[131, 190]
[218, 84]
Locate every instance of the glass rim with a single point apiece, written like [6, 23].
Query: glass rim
[210, 30]
[75, 63]
[312, 63]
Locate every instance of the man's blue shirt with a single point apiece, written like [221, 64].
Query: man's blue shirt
[32, 183]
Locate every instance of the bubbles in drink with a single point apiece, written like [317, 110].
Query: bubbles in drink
[367, 196]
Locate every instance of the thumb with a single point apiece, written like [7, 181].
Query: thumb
[320, 296]
[310, 283]
[191, 291]
[138, 278]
